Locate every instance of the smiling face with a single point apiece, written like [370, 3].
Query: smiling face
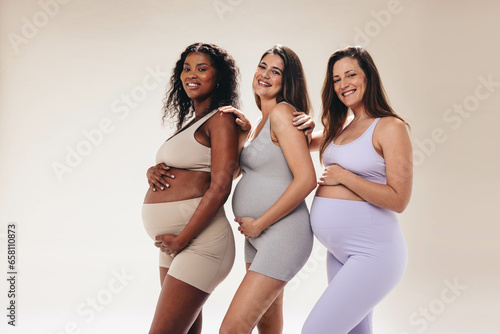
[198, 76]
[349, 82]
[268, 78]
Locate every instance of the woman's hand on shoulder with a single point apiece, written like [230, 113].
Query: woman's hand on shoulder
[240, 119]
[303, 122]
[158, 176]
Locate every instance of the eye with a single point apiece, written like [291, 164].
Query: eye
[336, 80]
[351, 75]
[276, 72]
[185, 69]
[202, 69]
[261, 66]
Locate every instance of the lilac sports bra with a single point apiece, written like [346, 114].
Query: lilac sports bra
[358, 156]
[183, 151]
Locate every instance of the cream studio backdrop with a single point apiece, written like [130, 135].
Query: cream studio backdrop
[80, 108]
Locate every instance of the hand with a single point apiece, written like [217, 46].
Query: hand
[241, 120]
[248, 227]
[303, 122]
[169, 244]
[331, 175]
[158, 176]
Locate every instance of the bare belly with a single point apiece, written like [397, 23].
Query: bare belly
[187, 184]
[338, 191]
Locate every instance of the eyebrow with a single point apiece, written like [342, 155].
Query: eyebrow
[279, 69]
[336, 75]
[196, 64]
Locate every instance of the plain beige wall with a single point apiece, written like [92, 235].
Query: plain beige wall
[68, 68]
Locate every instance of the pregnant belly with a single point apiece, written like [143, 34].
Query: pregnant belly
[254, 195]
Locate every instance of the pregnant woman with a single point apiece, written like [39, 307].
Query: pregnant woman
[189, 225]
[367, 179]
[269, 199]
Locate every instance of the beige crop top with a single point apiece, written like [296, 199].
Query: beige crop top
[182, 150]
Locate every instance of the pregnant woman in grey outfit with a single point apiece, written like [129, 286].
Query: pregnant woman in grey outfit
[268, 201]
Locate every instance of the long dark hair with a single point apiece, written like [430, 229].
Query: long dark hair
[177, 105]
[294, 84]
[375, 99]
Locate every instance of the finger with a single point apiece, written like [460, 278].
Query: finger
[164, 166]
[162, 173]
[152, 186]
[161, 185]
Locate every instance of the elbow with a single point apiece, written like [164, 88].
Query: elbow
[401, 206]
[310, 184]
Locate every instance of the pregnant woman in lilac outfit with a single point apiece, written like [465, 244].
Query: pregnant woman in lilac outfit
[367, 179]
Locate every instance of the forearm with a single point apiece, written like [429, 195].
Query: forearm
[381, 195]
[316, 139]
[208, 207]
[296, 192]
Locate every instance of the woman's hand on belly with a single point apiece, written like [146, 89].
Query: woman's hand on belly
[170, 244]
[331, 175]
[158, 176]
[249, 227]
[187, 184]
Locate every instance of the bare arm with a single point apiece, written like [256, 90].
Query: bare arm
[392, 137]
[294, 146]
[224, 149]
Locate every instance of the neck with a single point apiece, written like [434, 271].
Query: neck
[200, 106]
[359, 112]
[266, 106]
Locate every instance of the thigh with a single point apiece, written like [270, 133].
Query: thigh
[178, 306]
[253, 298]
[207, 261]
[359, 285]
[333, 266]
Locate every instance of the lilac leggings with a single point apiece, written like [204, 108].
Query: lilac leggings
[366, 259]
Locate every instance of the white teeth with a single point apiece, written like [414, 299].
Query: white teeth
[264, 83]
[349, 92]
[190, 84]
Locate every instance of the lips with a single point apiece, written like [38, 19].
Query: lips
[193, 85]
[263, 83]
[349, 92]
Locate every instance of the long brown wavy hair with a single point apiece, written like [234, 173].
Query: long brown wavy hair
[375, 98]
[294, 84]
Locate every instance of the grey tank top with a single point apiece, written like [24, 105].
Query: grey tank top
[265, 175]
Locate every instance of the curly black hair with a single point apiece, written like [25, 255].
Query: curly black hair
[177, 105]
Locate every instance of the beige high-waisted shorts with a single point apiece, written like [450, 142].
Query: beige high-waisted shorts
[208, 258]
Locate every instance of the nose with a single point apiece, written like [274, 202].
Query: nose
[343, 84]
[265, 73]
[192, 75]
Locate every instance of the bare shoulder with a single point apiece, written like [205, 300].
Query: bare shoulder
[222, 119]
[391, 130]
[282, 112]
[391, 124]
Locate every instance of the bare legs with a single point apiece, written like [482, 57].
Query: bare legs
[257, 302]
[179, 307]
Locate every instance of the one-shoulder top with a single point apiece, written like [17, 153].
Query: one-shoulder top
[358, 156]
[183, 151]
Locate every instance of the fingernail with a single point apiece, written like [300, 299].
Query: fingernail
[168, 185]
[154, 189]
[173, 176]
[161, 188]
